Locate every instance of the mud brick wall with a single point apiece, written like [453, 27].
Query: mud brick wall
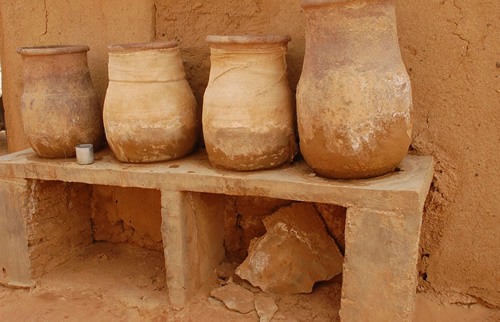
[57, 223]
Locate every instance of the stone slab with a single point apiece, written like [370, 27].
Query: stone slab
[402, 190]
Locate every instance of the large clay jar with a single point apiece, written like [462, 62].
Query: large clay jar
[247, 112]
[149, 110]
[59, 106]
[354, 95]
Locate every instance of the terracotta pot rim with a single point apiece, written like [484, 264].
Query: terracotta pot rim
[52, 50]
[142, 46]
[320, 3]
[248, 39]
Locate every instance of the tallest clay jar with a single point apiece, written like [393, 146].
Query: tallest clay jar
[354, 96]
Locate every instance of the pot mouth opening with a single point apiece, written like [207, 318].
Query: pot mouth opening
[52, 50]
[247, 39]
[142, 46]
[319, 3]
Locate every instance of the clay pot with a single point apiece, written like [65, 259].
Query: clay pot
[149, 110]
[247, 111]
[354, 95]
[59, 106]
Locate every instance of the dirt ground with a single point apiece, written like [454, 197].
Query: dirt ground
[120, 282]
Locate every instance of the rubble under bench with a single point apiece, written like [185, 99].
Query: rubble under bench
[384, 216]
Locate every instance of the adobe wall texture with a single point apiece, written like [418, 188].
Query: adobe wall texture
[130, 215]
[450, 53]
[450, 50]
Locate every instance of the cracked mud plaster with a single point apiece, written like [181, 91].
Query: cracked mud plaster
[449, 53]
[46, 19]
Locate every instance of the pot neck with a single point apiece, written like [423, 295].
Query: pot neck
[363, 31]
[145, 66]
[362, 17]
[63, 66]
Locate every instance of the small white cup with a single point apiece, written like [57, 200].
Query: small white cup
[84, 154]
